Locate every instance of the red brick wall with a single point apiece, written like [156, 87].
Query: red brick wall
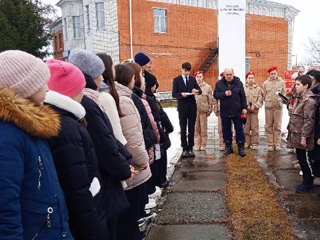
[267, 44]
[191, 33]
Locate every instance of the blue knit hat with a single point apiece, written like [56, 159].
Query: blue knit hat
[141, 58]
[87, 62]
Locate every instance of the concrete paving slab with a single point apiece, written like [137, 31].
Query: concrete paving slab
[308, 229]
[192, 208]
[203, 181]
[204, 164]
[189, 232]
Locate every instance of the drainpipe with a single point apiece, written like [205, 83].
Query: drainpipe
[130, 13]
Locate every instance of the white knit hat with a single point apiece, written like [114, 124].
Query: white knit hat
[22, 72]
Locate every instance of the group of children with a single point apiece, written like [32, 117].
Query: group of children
[83, 144]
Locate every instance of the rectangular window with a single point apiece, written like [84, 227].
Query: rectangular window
[247, 64]
[56, 47]
[65, 27]
[88, 18]
[60, 41]
[100, 15]
[76, 27]
[160, 20]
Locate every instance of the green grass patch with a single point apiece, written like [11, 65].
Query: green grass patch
[254, 208]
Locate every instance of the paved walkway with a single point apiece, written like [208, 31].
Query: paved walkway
[194, 208]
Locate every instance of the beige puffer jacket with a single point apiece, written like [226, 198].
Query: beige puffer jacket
[132, 131]
[205, 100]
[270, 87]
[254, 95]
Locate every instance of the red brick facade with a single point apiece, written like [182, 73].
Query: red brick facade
[58, 46]
[191, 33]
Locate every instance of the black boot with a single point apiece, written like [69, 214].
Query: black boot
[242, 153]
[228, 150]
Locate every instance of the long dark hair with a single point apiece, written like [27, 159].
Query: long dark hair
[109, 79]
[124, 74]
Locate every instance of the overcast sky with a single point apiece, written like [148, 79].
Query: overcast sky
[306, 23]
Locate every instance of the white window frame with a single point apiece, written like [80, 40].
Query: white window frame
[76, 24]
[88, 17]
[65, 28]
[100, 15]
[160, 20]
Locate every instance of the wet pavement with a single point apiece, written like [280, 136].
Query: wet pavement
[194, 205]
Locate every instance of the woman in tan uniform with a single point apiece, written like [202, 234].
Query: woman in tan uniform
[254, 95]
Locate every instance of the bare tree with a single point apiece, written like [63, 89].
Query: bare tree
[313, 49]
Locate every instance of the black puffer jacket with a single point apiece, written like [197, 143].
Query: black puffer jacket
[113, 157]
[316, 90]
[164, 124]
[230, 106]
[77, 167]
[148, 135]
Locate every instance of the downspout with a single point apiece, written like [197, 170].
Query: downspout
[130, 16]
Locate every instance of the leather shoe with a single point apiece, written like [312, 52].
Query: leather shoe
[191, 153]
[184, 154]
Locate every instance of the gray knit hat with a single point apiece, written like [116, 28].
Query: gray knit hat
[87, 62]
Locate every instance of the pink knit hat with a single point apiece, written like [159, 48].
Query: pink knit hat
[66, 78]
[22, 72]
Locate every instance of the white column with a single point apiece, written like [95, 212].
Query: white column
[232, 36]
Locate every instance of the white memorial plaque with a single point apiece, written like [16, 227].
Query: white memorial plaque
[232, 36]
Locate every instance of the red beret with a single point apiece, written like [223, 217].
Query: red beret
[222, 74]
[249, 73]
[198, 72]
[272, 69]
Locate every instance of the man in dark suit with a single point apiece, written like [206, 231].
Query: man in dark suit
[184, 88]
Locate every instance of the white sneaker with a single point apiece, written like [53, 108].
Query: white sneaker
[156, 194]
[151, 204]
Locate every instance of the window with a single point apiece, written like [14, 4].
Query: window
[88, 18]
[76, 27]
[65, 27]
[247, 64]
[100, 15]
[160, 20]
[56, 43]
[60, 41]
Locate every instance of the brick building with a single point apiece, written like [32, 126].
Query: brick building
[57, 32]
[174, 31]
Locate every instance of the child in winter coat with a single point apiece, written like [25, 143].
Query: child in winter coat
[254, 95]
[204, 109]
[74, 154]
[301, 130]
[165, 128]
[114, 159]
[32, 204]
[132, 131]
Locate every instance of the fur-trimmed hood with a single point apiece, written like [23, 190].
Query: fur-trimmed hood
[38, 121]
